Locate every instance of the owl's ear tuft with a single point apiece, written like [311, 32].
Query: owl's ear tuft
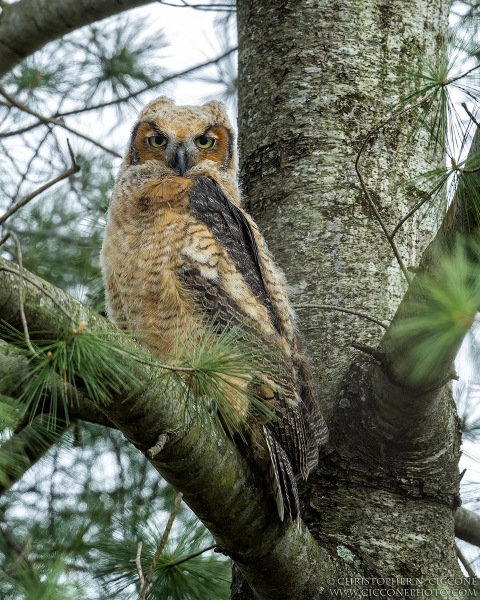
[155, 105]
[218, 111]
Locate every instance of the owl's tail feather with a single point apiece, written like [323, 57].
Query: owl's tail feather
[282, 478]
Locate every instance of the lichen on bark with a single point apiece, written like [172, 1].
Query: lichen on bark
[314, 79]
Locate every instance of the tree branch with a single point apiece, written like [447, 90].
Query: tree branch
[147, 580]
[51, 120]
[75, 168]
[27, 25]
[218, 484]
[412, 405]
[467, 526]
[136, 93]
[25, 448]
[466, 565]
[31, 442]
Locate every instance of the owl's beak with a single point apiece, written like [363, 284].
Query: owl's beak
[180, 161]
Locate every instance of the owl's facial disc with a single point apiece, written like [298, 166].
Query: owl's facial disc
[181, 147]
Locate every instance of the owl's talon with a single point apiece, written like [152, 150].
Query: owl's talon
[152, 452]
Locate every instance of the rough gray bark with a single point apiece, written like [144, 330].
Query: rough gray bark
[314, 80]
[27, 25]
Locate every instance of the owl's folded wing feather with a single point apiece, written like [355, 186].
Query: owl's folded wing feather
[290, 439]
[233, 233]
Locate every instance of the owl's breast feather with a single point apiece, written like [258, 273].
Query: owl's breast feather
[172, 191]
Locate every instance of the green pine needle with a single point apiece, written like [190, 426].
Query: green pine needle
[438, 86]
[467, 197]
[226, 368]
[98, 363]
[48, 583]
[439, 321]
[217, 375]
[199, 577]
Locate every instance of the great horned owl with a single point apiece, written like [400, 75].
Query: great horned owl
[181, 256]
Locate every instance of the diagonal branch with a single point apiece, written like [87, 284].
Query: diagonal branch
[466, 565]
[158, 552]
[134, 94]
[467, 526]
[190, 556]
[75, 168]
[27, 25]
[411, 405]
[51, 120]
[218, 484]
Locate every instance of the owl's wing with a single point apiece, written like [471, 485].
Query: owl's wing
[229, 226]
[291, 438]
[286, 437]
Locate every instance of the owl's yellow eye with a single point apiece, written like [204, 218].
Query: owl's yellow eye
[157, 141]
[204, 142]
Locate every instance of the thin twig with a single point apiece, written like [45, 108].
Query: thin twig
[27, 167]
[455, 168]
[470, 114]
[399, 113]
[20, 105]
[152, 452]
[383, 226]
[148, 87]
[461, 76]
[193, 555]
[139, 564]
[21, 551]
[373, 352]
[205, 7]
[410, 213]
[71, 171]
[464, 561]
[154, 363]
[6, 134]
[377, 128]
[151, 363]
[22, 556]
[344, 310]
[21, 301]
[418, 206]
[161, 546]
[372, 204]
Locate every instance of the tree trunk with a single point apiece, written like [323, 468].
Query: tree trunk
[314, 79]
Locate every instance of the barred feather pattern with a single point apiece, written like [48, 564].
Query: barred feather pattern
[181, 256]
